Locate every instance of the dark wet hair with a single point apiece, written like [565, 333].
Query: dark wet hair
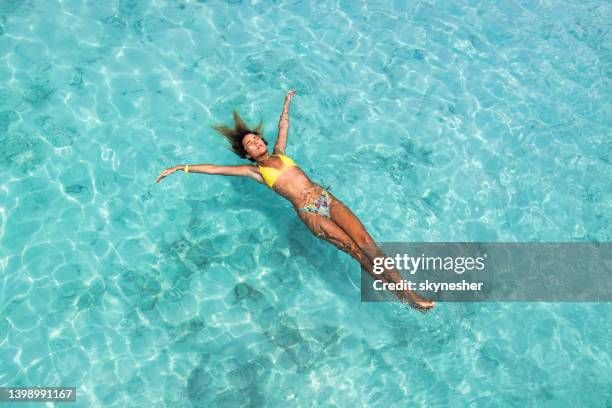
[234, 136]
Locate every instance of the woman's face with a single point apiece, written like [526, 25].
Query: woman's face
[253, 145]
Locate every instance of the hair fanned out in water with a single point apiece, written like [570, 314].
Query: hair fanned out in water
[234, 136]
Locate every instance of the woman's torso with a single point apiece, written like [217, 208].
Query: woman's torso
[289, 180]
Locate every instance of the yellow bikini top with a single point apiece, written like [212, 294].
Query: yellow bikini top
[270, 174]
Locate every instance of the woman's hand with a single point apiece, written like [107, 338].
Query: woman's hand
[290, 95]
[169, 170]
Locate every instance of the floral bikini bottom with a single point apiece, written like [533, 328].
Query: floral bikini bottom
[320, 205]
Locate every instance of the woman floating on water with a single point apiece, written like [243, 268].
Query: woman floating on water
[326, 216]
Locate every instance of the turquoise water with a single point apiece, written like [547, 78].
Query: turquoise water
[433, 121]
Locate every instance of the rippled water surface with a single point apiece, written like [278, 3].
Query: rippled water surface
[433, 121]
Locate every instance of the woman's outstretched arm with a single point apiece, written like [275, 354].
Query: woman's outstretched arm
[283, 125]
[244, 170]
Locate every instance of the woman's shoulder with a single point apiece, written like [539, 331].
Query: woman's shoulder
[286, 159]
[281, 155]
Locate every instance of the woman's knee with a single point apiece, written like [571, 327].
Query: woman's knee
[358, 232]
[352, 249]
[365, 242]
[349, 246]
[345, 244]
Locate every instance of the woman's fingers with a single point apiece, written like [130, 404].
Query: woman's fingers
[165, 173]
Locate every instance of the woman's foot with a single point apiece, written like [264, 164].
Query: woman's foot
[424, 305]
[417, 302]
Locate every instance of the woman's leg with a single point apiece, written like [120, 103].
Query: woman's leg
[344, 218]
[327, 230]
